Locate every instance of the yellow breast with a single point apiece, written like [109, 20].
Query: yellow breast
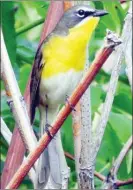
[63, 53]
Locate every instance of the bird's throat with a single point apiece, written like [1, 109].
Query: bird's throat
[85, 28]
[64, 53]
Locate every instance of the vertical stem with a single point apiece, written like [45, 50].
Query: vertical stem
[83, 142]
[128, 50]
[76, 117]
[16, 101]
[86, 164]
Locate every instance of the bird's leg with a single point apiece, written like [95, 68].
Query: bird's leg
[47, 125]
[72, 107]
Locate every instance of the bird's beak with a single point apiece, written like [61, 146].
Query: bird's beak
[99, 13]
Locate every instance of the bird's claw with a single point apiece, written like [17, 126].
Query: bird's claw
[72, 107]
[47, 126]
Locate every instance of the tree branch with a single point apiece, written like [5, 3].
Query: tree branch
[123, 183]
[75, 97]
[15, 100]
[83, 136]
[86, 166]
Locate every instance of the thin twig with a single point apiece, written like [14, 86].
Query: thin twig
[29, 26]
[111, 181]
[66, 110]
[121, 156]
[68, 155]
[123, 183]
[99, 176]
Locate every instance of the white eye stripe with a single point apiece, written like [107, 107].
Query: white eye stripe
[85, 9]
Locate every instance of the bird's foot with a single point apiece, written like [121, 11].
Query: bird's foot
[72, 107]
[47, 127]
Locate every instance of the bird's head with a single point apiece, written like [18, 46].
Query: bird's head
[80, 15]
[81, 18]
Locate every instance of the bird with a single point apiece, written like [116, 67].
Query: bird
[58, 68]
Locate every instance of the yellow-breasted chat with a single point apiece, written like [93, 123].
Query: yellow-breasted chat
[59, 65]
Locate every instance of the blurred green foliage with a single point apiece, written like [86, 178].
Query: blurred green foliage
[22, 25]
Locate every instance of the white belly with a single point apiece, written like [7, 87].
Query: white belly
[55, 89]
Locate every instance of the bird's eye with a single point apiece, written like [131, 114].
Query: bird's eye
[81, 13]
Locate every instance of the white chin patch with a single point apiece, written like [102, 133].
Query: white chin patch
[83, 21]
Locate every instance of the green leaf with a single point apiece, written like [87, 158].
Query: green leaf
[110, 148]
[110, 6]
[96, 100]
[67, 135]
[98, 4]
[123, 102]
[24, 75]
[41, 7]
[121, 14]
[129, 161]
[25, 54]
[122, 125]
[7, 18]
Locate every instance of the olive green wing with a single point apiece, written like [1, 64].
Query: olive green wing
[34, 84]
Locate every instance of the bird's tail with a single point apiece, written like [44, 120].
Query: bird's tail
[52, 161]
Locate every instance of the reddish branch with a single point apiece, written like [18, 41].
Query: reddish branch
[123, 183]
[123, 1]
[66, 110]
[68, 155]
